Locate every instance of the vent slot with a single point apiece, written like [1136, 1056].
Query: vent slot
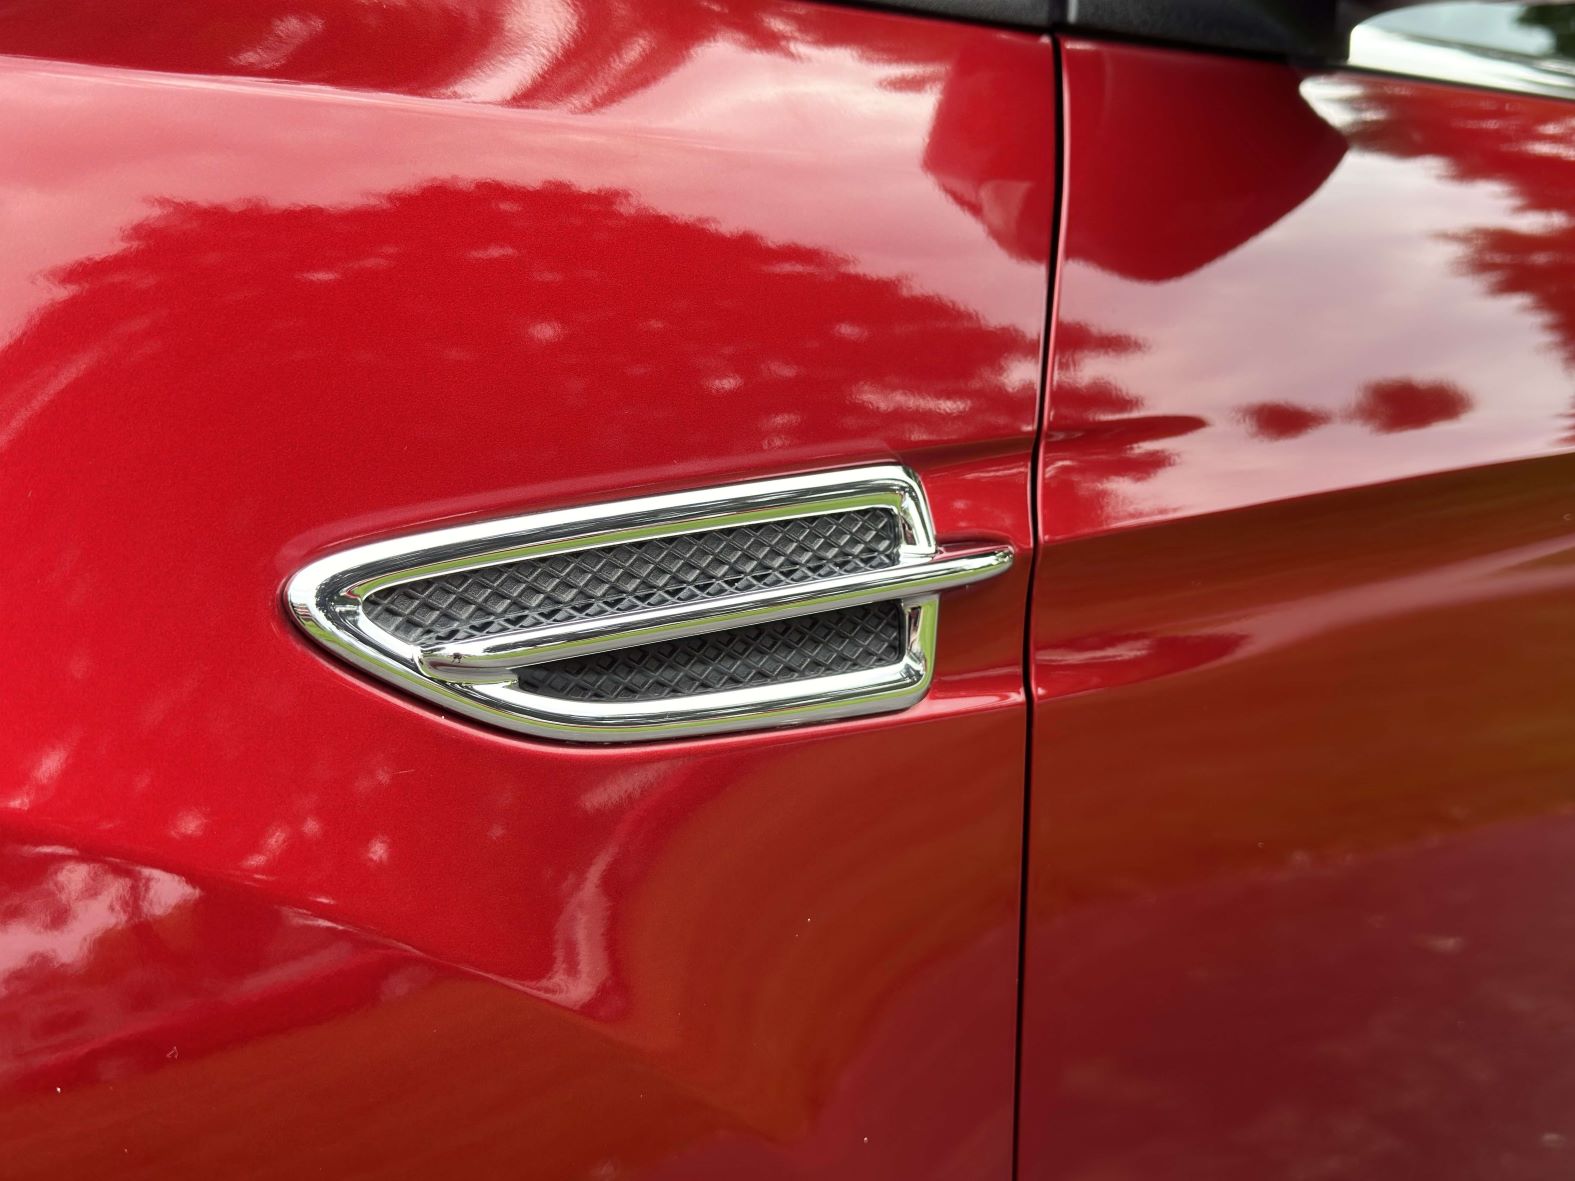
[616, 579]
[770, 603]
[854, 640]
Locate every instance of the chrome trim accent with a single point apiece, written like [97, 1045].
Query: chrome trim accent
[327, 600]
[1384, 51]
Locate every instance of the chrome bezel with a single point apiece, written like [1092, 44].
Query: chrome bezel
[327, 598]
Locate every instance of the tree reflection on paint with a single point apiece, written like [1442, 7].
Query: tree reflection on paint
[556, 292]
[1520, 144]
[1385, 407]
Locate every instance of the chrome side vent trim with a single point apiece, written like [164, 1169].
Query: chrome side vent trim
[776, 602]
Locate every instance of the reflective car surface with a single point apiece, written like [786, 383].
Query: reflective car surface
[1227, 835]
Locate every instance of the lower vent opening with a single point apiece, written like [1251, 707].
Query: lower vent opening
[853, 639]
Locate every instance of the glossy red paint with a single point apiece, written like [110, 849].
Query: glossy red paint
[1303, 761]
[246, 321]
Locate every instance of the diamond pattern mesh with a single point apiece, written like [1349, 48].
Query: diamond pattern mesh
[849, 640]
[618, 578]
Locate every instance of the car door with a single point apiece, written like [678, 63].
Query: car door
[1300, 834]
[284, 281]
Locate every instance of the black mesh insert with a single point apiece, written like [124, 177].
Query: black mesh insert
[848, 640]
[617, 578]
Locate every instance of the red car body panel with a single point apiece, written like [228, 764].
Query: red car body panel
[1294, 554]
[1303, 762]
[433, 263]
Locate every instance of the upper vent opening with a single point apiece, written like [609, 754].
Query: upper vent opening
[635, 576]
